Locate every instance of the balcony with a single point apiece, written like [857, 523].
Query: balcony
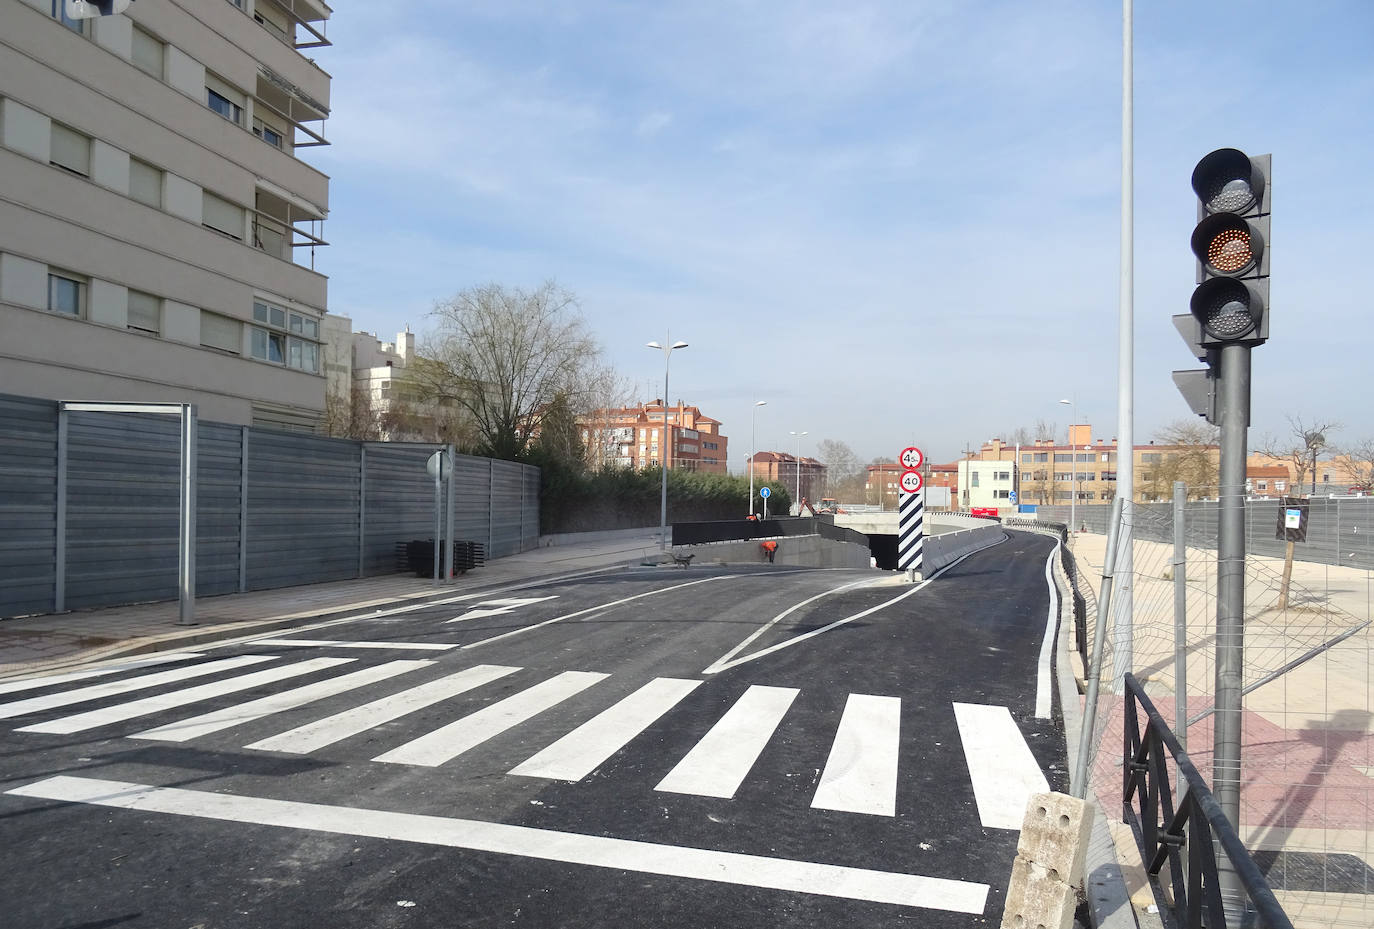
[275, 216]
[278, 96]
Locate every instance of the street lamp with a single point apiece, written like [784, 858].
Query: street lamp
[799, 496]
[1073, 462]
[663, 445]
[753, 448]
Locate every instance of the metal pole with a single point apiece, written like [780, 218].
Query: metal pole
[186, 556]
[448, 512]
[1073, 473]
[1078, 784]
[1180, 619]
[753, 448]
[1230, 653]
[663, 460]
[1122, 644]
[438, 512]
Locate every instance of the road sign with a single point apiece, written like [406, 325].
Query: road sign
[1013, 496]
[765, 493]
[911, 458]
[910, 481]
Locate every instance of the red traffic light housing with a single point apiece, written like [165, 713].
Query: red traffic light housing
[1231, 303]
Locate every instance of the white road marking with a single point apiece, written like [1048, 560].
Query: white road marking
[159, 702]
[497, 607]
[214, 721]
[718, 764]
[579, 752]
[912, 890]
[1042, 677]
[1000, 764]
[345, 643]
[594, 609]
[113, 688]
[305, 739]
[861, 773]
[48, 680]
[435, 748]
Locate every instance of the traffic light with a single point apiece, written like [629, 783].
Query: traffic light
[89, 9]
[1231, 302]
[1230, 305]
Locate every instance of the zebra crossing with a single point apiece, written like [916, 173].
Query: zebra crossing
[859, 775]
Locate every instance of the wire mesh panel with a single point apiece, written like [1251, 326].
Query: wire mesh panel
[28, 505]
[1307, 733]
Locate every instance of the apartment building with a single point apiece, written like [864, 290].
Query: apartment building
[632, 437]
[158, 222]
[803, 477]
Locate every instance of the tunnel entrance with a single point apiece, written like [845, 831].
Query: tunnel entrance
[883, 548]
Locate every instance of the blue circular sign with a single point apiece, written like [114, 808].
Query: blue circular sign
[765, 492]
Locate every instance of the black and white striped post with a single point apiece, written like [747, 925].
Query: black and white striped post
[911, 506]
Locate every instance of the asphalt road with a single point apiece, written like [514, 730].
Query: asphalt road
[662, 747]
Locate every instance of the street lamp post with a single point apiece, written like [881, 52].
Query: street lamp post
[1073, 469]
[799, 496]
[753, 448]
[663, 445]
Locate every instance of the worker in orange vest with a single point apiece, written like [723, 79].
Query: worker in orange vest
[770, 548]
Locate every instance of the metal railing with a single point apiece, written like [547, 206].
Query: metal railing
[1190, 835]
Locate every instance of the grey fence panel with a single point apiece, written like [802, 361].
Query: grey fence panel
[28, 505]
[472, 500]
[529, 502]
[122, 508]
[219, 480]
[507, 484]
[303, 496]
[400, 502]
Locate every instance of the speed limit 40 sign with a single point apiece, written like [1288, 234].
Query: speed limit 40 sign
[910, 481]
[911, 458]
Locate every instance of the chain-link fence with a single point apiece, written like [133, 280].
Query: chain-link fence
[1307, 734]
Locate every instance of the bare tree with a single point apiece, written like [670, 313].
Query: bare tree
[1300, 447]
[845, 473]
[504, 355]
[1188, 451]
[1358, 458]
[607, 392]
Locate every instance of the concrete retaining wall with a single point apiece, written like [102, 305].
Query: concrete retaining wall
[941, 550]
[809, 551]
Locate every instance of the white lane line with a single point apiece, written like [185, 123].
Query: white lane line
[498, 606]
[435, 748]
[595, 609]
[206, 723]
[159, 702]
[860, 775]
[48, 680]
[1042, 676]
[344, 643]
[305, 739]
[718, 764]
[1000, 764]
[579, 752]
[113, 688]
[723, 661]
[910, 890]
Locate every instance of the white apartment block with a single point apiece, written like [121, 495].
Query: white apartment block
[157, 223]
[985, 483]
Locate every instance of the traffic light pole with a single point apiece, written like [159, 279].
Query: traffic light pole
[1234, 409]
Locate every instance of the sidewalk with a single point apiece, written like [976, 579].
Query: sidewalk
[43, 643]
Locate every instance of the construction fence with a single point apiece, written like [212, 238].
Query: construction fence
[1307, 732]
[90, 514]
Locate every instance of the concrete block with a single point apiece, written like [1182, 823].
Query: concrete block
[1035, 900]
[1055, 834]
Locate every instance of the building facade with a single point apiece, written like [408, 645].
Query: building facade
[157, 220]
[803, 477]
[633, 437]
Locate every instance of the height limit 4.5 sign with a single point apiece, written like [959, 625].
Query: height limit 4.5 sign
[911, 458]
[910, 482]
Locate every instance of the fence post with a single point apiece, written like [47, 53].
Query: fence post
[59, 596]
[491, 506]
[448, 510]
[1180, 619]
[1078, 784]
[362, 505]
[243, 509]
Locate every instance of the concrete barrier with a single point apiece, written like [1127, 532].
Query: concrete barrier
[944, 549]
[809, 551]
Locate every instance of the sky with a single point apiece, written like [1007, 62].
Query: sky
[896, 222]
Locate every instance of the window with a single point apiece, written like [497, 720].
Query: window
[1042, 456]
[1026, 458]
[1108, 475]
[221, 332]
[1062, 457]
[1150, 458]
[147, 53]
[145, 312]
[224, 100]
[1279, 485]
[66, 293]
[267, 133]
[145, 183]
[70, 150]
[1262, 485]
[973, 479]
[59, 13]
[286, 338]
[1002, 495]
[1001, 476]
[1063, 475]
[222, 216]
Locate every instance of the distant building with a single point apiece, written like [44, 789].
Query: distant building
[789, 470]
[632, 437]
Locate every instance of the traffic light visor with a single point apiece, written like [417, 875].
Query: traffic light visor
[1227, 245]
[1227, 181]
[1228, 310]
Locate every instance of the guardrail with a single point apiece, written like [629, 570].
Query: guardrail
[1195, 827]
